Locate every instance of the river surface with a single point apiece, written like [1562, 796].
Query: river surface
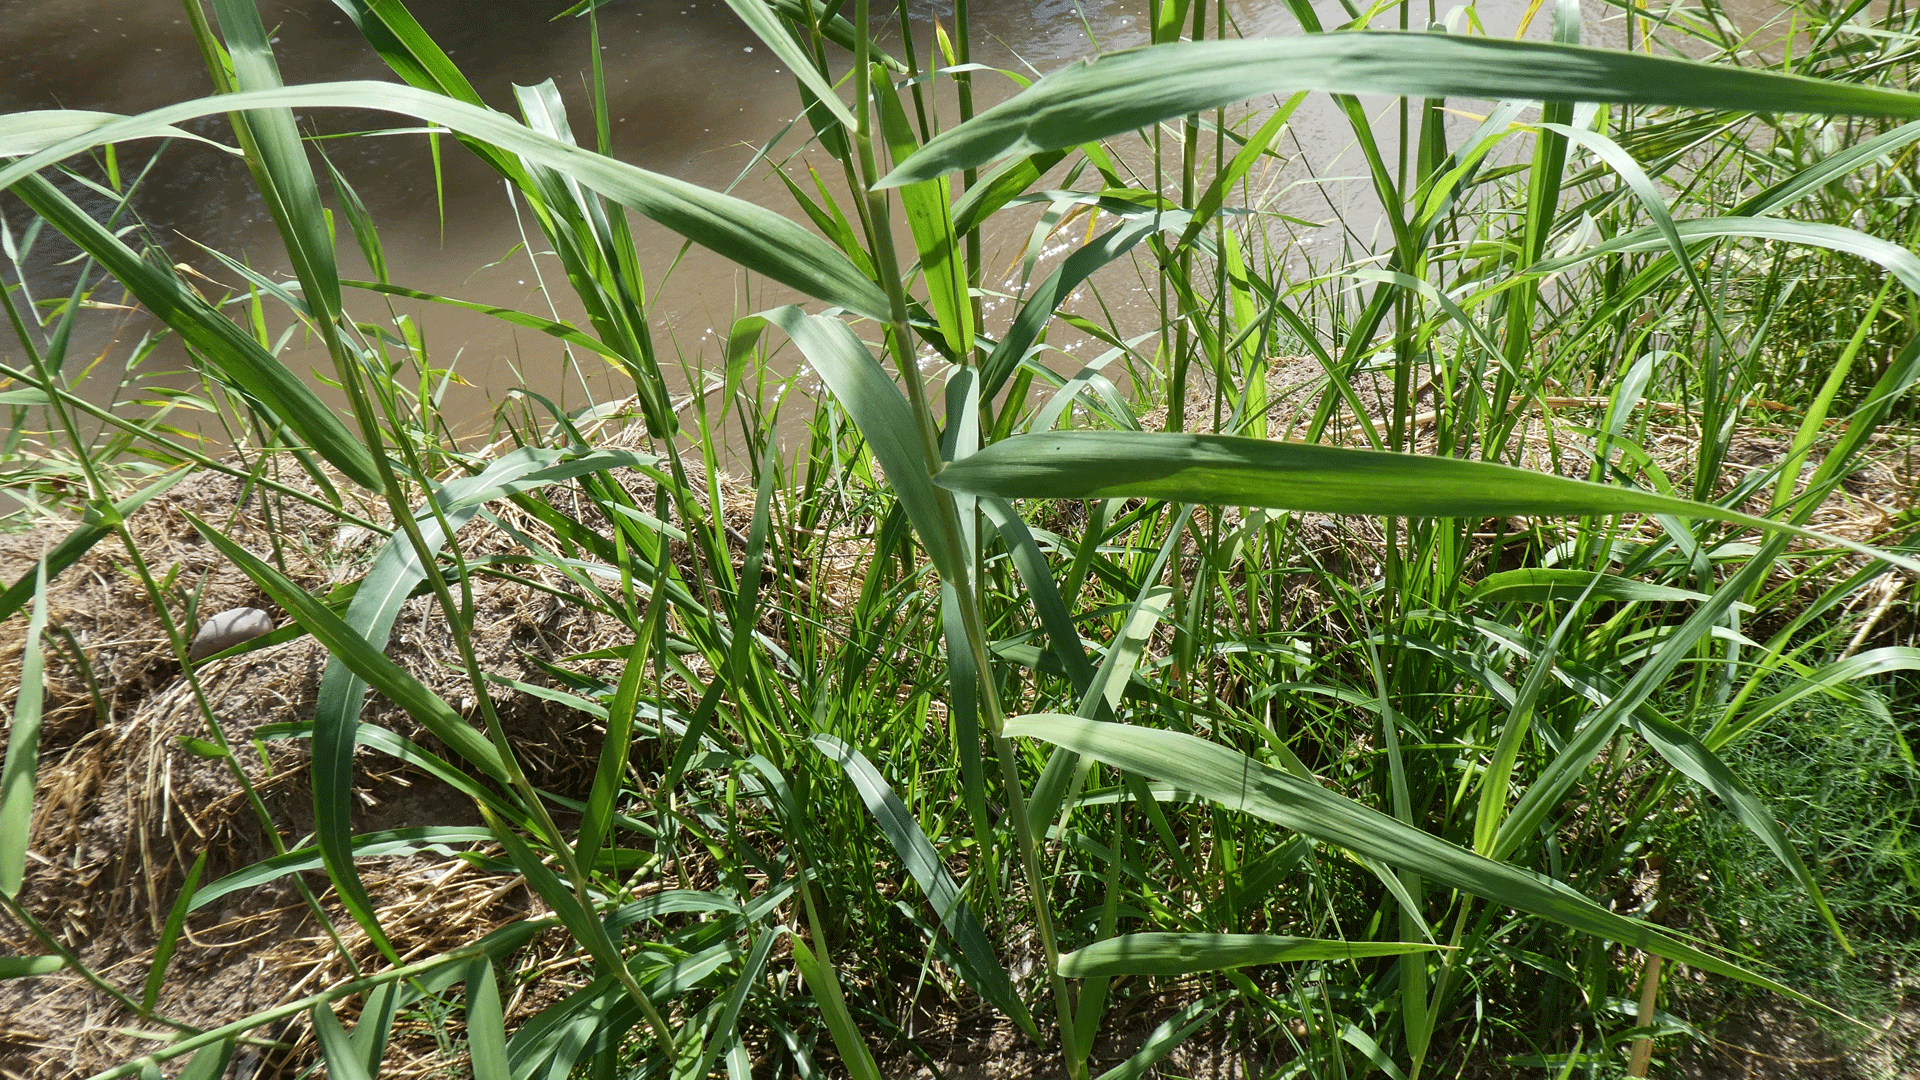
[691, 94]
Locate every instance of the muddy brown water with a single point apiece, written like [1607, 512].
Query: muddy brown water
[691, 94]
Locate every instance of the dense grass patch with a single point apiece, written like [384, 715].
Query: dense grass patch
[1427, 654]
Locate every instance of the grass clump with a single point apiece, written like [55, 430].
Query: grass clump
[1149, 749]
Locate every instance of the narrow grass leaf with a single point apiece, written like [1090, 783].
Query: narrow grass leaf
[881, 411]
[370, 1034]
[1737, 720]
[760, 19]
[241, 359]
[27, 967]
[89, 532]
[22, 763]
[1687, 754]
[170, 937]
[723, 1028]
[1138, 88]
[486, 1024]
[752, 236]
[33, 130]
[561, 330]
[1897, 260]
[436, 839]
[1166, 1037]
[1545, 585]
[343, 1060]
[367, 662]
[1227, 470]
[1036, 311]
[210, 1063]
[396, 570]
[825, 985]
[1187, 954]
[978, 965]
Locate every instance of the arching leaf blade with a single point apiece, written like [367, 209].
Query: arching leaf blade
[1137, 88]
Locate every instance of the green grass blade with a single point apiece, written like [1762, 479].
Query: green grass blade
[736, 1000]
[1900, 262]
[1138, 88]
[569, 334]
[170, 937]
[370, 1034]
[22, 763]
[1544, 585]
[978, 964]
[1691, 757]
[1170, 1033]
[287, 180]
[750, 235]
[486, 1025]
[928, 208]
[367, 662]
[1237, 782]
[1227, 470]
[610, 773]
[1036, 311]
[33, 130]
[883, 415]
[80, 541]
[343, 1060]
[1737, 720]
[390, 842]
[1187, 954]
[825, 985]
[253, 370]
[760, 19]
[210, 1063]
[376, 604]
[27, 967]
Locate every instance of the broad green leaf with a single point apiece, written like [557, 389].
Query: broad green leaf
[1237, 782]
[1227, 470]
[1186, 954]
[750, 235]
[1138, 88]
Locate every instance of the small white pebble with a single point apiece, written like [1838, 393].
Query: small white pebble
[227, 629]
